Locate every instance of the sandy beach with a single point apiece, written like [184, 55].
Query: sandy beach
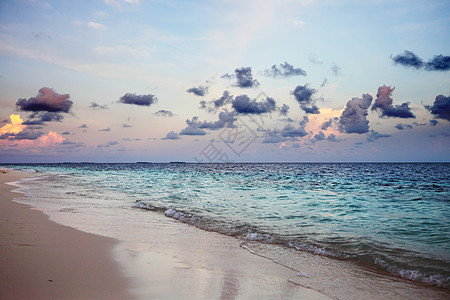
[130, 253]
[40, 259]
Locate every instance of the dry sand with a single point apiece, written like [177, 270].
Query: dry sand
[40, 259]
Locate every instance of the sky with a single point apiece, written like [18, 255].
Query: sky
[224, 81]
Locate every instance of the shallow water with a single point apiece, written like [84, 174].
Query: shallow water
[390, 218]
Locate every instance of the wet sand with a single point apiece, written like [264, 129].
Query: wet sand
[40, 259]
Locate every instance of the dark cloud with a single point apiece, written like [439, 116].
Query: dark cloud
[324, 82]
[213, 105]
[47, 100]
[438, 63]
[332, 138]
[108, 144]
[409, 59]
[23, 135]
[143, 100]
[291, 131]
[383, 102]
[199, 91]
[327, 124]
[105, 129]
[97, 106]
[272, 137]
[319, 136]
[335, 69]
[226, 119]
[285, 70]
[83, 126]
[192, 128]
[244, 105]
[353, 118]
[440, 107]
[434, 122]
[171, 136]
[400, 126]
[303, 94]
[284, 110]
[39, 118]
[372, 136]
[125, 125]
[192, 131]
[244, 78]
[164, 113]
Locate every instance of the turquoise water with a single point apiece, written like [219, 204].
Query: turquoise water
[394, 217]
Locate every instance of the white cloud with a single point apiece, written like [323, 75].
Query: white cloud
[96, 26]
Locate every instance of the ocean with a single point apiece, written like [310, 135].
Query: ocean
[392, 218]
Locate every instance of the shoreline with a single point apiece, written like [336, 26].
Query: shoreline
[41, 259]
[165, 258]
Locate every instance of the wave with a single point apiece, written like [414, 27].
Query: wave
[248, 233]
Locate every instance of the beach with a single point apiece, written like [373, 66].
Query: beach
[116, 250]
[40, 259]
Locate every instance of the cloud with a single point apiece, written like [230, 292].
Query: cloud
[284, 110]
[244, 105]
[96, 26]
[192, 131]
[125, 125]
[440, 107]
[332, 138]
[192, 128]
[39, 118]
[353, 118]
[335, 69]
[199, 91]
[285, 70]
[142, 100]
[303, 94]
[83, 126]
[164, 113]
[372, 136]
[213, 105]
[108, 144]
[327, 124]
[171, 136]
[97, 106]
[118, 3]
[313, 59]
[383, 102]
[409, 59]
[319, 136]
[291, 131]
[434, 122]
[244, 78]
[66, 133]
[400, 126]
[46, 100]
[23, 135]
[105, 129]
[273, 137]
[14, 127]
[438, 63]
